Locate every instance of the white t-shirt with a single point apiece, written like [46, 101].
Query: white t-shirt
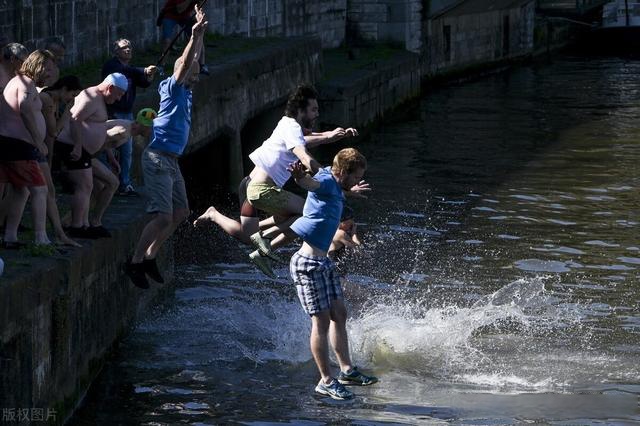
[275, 154]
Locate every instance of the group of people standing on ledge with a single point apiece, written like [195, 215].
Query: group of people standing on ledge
[42, 113]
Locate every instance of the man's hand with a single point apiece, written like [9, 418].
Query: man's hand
[359, 189]
[336, 134]
[200, 25]
[350, 132]
[42, 148]
[150, 71]
[76, 152]
[298, 171]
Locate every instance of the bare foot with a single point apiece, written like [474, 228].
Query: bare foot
[208, 216]
[66, 241]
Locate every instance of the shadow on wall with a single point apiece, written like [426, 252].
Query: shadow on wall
[206, 172]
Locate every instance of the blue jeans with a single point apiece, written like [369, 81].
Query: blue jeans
[125, 152]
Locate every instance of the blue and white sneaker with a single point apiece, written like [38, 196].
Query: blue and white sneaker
[334, 389]
[355, 377]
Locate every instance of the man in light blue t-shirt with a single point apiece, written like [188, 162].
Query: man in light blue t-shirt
[162, 177]
[317, 281]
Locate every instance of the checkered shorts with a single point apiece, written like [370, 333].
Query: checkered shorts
[316, 280]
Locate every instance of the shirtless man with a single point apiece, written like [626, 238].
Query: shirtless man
[13, 55]
[81, 138]
[11, 58]
[22, 133]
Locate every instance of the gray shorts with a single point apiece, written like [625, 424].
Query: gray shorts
[316, 280]
[163, 183]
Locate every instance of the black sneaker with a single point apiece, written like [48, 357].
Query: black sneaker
[98, 232]
[80, 232]
[135, 271]
[151, 268]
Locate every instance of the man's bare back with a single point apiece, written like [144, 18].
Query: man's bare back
[89, 115]
[21, 112]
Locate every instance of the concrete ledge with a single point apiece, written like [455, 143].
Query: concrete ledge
[60, 316]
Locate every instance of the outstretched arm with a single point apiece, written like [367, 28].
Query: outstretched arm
[314, 139]
[193, 47]
[307, 160]
[302, 178]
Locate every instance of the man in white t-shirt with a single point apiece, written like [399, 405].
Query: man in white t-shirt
[262, 189]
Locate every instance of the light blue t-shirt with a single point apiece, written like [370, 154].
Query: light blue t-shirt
[321, 213]
[171, 126]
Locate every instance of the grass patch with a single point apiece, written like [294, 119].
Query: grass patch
[344, 61]
[217, 47]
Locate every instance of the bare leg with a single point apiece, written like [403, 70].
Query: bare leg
[267, 223]
[15, 200]
[103, 197]
[319, 344]
[156, 232]
[39, 213]
[52, 208]
[228, 225]
[82, 186]
[179, 216]
[338, 334]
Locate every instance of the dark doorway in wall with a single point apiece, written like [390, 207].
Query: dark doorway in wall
[505, 35]
[446, 38]
[206, 172]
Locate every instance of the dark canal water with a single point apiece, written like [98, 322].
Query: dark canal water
[498, 284]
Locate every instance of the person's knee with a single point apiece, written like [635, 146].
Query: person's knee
[180, 215]
[320, 322]
[338, 312]
[83, 183]
[38, 191]
[164, 220]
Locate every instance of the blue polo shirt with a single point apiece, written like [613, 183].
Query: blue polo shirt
[171, 126]
[321, 213]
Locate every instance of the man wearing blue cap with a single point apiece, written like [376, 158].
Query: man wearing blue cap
[163, 180]
[80, 139]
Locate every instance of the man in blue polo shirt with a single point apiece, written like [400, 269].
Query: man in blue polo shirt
[165, 186]
[314, 274]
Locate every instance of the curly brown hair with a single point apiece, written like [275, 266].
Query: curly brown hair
[299, 99]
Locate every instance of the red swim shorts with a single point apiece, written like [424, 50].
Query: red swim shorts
[21, 173]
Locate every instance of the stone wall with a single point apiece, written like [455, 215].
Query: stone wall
[458, 40]
[88, 27]
[360, 101]
[60, 316]
[325, 19]
[398, 21]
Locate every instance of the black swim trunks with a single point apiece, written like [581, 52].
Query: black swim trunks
[63, 151]
[12, 149]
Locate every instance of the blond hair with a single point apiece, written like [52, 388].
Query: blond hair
[348, 160]
[34, 66]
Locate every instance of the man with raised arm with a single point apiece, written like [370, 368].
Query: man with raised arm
[163, 180]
